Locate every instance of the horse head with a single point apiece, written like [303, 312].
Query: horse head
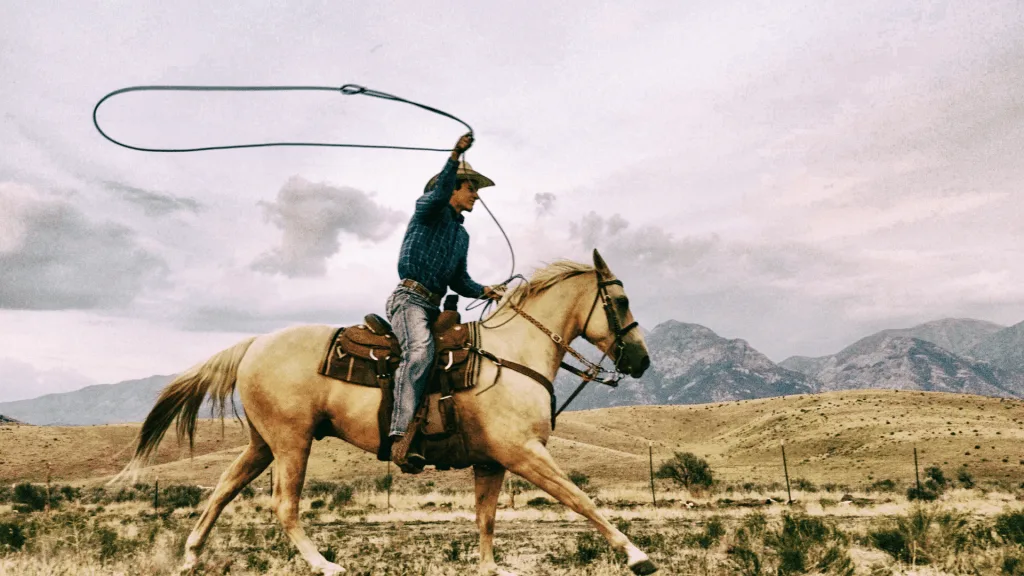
[615, 331]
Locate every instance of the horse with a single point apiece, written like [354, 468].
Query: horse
[507, 426]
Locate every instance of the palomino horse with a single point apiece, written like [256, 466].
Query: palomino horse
[285, 398]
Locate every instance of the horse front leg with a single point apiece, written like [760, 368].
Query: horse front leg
[534, 463]
[289, 475]
[488, 481]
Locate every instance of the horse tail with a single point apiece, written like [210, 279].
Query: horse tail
[182, 399]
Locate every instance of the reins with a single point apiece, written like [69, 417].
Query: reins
[594, 370]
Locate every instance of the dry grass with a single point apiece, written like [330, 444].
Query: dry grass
[432, 533]
[836, 443]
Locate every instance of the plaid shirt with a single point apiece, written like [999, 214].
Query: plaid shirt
[436, 244]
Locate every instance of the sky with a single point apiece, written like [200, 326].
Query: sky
[796, 174]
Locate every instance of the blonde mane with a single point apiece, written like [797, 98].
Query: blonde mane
[544, 278]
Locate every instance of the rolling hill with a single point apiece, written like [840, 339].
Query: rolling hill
[847, 437]
[692, 364]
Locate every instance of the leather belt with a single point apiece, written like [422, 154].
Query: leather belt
[420, 289]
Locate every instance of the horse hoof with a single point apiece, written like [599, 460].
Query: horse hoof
[331, 569]
[644, 567]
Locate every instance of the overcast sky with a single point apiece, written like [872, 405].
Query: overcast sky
[795, 174]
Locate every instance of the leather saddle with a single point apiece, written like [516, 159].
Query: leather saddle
[368, 355]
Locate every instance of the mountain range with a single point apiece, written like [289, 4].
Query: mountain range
[691, 364]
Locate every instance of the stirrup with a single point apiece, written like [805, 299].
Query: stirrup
[408, 462]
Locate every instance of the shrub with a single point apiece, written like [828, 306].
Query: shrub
[744, 561]
[965, 478]
[342, 495]
[1010, 526]
[383, 483]
[805, 544]
[589, 547]
[907, 539]
[687, 470]
[516, 486]
[804, 485]
[713, 532]
[12, 536]
[111, 546]
[580, 479]
[539, 502]
[925, 494]
[30, 496]
[178, 496]
[320, 488]
[936, 480]
[885, 485]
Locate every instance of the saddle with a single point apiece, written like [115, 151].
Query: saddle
[368, 354]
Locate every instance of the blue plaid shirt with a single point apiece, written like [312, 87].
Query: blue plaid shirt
[436, 244]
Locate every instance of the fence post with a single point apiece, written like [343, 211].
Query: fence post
[650, 453]
[917, 475]
[47, 506]
[785, 470]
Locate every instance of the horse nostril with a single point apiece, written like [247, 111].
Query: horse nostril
[645, 363]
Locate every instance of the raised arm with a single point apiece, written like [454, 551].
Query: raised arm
[433, 202]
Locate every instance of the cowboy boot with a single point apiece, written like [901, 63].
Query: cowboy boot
[406, 457]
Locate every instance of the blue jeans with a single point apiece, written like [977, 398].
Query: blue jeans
[411, 316]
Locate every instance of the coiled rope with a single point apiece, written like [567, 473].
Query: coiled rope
[347, 89]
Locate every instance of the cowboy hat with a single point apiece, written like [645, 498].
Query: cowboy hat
[465, 172]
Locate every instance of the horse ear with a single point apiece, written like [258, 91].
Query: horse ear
[600, 265]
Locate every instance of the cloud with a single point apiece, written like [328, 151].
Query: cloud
[262, 319]
[311, 217]
[21, 380]
[545, 202]
[642, 246]
[153, 203]
[54, 258]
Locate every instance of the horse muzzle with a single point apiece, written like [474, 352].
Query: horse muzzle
[635, 367]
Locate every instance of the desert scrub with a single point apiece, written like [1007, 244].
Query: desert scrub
[797, 544]
[180, 496]
[949, 540]
[12, 536]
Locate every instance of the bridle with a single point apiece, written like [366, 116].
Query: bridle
[594, 370]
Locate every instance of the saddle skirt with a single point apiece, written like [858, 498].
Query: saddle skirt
[368, 355]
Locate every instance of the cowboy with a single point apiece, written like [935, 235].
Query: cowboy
[432, 259]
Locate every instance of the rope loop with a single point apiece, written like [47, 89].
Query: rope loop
[347, 89]
[352, 89]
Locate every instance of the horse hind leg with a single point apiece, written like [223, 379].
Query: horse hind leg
[488, 487]
[289, 475]
[249, 464]
[534, 463]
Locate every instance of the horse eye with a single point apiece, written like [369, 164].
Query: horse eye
[624, 302]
